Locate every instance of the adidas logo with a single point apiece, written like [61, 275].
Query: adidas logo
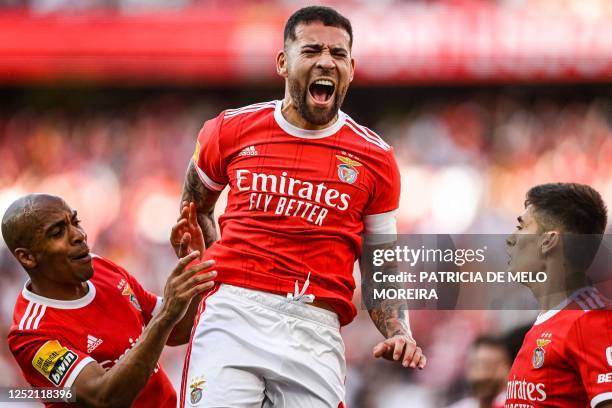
[248, 151]
[92, 343]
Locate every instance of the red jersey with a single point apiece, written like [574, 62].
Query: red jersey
[566, 357]
[298, 202]
[53, 340]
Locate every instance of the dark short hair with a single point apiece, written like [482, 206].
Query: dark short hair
[580, 212]
[492, 342]
[326, 15]
[577, 208]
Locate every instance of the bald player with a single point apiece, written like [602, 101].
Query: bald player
[79, 314]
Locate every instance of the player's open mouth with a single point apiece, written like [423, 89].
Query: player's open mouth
[322, 91]
[82, 257]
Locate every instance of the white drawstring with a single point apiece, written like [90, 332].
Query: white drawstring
[299, 295]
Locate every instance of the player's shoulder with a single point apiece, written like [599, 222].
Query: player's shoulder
[366, 137]
[590, 299]
[589, 305]
[104, 267]
[248, 112]
[25, 314]
[32, 322]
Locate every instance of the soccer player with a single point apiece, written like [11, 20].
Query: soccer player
[487, 366]
[80, 320]
[306, 181]
[566, 357]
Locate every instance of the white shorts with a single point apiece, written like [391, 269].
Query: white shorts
[256, 349]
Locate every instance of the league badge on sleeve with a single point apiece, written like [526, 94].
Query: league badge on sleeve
[346, 170]
[196, 153]
[53, 361]
[538, 354]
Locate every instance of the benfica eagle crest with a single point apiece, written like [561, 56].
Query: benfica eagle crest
[346, 170]
[537, 360]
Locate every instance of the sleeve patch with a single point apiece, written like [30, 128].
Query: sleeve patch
[196, 153]
[54, 361]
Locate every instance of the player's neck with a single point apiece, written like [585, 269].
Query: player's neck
[58, 291]
[291, 115]
[559, 286]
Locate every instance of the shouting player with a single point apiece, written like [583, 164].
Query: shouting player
[79, 320]
[566, 357]
[306, 181]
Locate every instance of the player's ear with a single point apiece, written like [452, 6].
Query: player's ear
[281, 63]
[26, 258]
[352, 69]
[550, 241]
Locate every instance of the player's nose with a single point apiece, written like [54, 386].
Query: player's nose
[326, 61]
[77, 235]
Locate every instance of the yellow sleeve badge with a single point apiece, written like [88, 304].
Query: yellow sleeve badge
[196, 153]
[53, 361]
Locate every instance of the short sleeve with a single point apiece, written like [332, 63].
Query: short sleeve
[381, 211]
[386, 191]
[208, 156]
[589, 345]
[47, 360]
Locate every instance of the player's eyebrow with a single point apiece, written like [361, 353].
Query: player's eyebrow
[313, 46]
[60, 223]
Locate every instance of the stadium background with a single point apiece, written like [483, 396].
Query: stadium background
[101, 101]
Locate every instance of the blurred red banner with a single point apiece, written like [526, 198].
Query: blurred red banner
[406, 44]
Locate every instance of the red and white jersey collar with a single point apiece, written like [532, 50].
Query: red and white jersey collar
[60, 304]
[587, 298]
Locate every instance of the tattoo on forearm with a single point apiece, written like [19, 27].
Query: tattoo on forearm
[389, 316]
[205, 199]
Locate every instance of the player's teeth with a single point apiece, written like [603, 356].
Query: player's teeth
[324, 82]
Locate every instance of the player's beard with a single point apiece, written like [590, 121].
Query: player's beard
[311, 114]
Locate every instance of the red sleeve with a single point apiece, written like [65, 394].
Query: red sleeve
[46, 359]
[208, 156]
[589, 345]
[386, 192]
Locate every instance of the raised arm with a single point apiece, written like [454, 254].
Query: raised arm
[119, 386]
[390, 317]
[195, 230]
[205, 200]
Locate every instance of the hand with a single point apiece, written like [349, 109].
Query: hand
[183, 284]
[187, 228]
[402, 348]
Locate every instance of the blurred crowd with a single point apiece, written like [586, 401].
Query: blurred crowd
[578, 8]
[467, 157]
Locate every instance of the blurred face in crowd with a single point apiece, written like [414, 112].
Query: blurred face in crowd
[318, 68]
[486, 371]
[59, 251]
[527, 244]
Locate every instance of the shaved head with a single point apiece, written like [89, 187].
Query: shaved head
[24, 218]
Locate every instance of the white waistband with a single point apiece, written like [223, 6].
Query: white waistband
[282, 304]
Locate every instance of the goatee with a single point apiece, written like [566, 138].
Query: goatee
[315, 116]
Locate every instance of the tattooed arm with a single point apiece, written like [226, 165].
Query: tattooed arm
[195, 230]
[205, 200]
[390, 317]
